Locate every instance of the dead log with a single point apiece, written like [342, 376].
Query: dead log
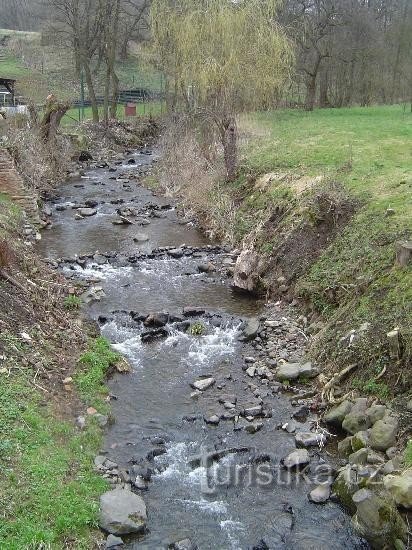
[11, 280]
[403, 253]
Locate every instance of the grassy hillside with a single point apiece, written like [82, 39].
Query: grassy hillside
[354, 280]
[41, 69]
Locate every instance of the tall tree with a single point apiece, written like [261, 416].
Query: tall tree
[221, 58]
[80, 23]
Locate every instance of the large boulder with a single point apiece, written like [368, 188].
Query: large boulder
[400, 487]
[337, 414]
[383, 433]
[247, 271]
[377, 520]
[356, 422]
[122, 512]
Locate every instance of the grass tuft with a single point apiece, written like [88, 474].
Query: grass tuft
[95, 364]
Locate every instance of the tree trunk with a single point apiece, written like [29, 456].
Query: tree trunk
[115, 95]
[229, 142]
[106, 96]
[323, 90]
[50, 122]
[92, 94]
[310, 92]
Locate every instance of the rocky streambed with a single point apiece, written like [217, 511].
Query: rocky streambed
[216, 439]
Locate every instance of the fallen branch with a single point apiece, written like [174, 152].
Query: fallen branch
[11, 280]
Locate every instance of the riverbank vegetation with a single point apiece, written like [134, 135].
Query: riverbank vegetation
[49, 373]
[324, 197]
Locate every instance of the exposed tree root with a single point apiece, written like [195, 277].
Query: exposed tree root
[328, 388]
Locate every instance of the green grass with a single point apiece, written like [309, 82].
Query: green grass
[49, 491]
[371, 387]
[11, 67]
[95, 364]
[369, 151]
[142, 109]
[72, 302]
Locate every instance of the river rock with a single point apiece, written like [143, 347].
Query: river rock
[383, 433]
[113, 542]
[345, 486]
[141, 238]
[345, 447]
[154, 334]
[376, 412]
[206, 268]
[214, 420]
[176, 253]
[307, 370]
[156, 319]
[204, 383]
[87, 212]
[288, 371]
[250, 330]
[359, 440]
[337, 414]
[377, 520]
[400, 487]
[375, 458]
[355, 422]
[122, 512]
[320, 494]
[253, 411]
[140, 483]
[296, 459]
[310, 439]
[253, 427]
[251, 371]
[409, 405]
[301, 414]
[359, 457]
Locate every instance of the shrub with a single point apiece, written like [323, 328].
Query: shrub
[72, 302]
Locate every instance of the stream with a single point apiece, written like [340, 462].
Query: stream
[160, 430]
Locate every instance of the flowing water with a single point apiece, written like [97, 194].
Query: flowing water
[152, 406]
